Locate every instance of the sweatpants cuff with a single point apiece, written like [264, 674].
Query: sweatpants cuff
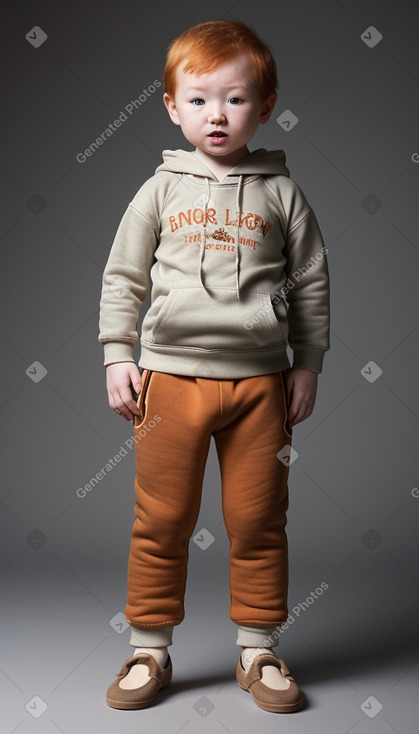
[151, 637]
[255, 636]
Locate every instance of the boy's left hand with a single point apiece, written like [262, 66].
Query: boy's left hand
[302, 390]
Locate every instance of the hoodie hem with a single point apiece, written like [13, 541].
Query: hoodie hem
[213, 363]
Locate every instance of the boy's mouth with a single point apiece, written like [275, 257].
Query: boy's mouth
[217, 134]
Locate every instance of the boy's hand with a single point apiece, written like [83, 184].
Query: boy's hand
[302, 390]
[122, 380]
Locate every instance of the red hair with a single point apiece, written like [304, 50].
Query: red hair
[207, 45]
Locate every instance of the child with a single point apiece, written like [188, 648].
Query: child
[227, 239]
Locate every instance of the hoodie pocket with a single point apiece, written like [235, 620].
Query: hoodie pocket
[213, 319]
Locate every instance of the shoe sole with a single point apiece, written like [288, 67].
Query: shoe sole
[278, 708]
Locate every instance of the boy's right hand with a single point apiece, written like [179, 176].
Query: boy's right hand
[122, 379]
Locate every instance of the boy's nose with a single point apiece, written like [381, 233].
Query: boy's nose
[216, 116]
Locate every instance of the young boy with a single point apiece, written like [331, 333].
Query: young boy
[238, 271]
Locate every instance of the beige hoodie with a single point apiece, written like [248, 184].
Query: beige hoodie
[217, 309]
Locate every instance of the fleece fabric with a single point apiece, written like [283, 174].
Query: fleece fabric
[236, 270]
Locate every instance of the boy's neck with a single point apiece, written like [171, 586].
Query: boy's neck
[220, 167]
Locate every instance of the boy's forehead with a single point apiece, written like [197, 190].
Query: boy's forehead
[236, 71]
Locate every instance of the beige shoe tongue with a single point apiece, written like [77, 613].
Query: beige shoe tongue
[267, 659]
[255, 670]
[145, 658]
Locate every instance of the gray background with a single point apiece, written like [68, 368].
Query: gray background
[354, 503]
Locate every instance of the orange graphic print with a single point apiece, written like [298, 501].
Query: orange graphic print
[220, 234]
[198, 216]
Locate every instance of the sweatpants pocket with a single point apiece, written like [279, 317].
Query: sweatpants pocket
[287, 428]
[141, 400]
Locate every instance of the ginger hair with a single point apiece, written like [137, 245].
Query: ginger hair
[205, 46]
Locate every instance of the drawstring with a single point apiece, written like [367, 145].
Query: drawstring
[238, 236]
[204, 234]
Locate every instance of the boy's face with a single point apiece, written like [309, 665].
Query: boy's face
[226, 101]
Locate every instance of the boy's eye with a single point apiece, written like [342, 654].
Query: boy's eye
[235, 100]
[198, 102]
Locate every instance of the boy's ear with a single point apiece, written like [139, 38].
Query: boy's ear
[267, 108]
[171, 108]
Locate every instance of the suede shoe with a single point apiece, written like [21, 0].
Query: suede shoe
[268, 698]
[139, 698]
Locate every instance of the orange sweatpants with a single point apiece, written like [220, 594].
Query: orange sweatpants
[249, 421]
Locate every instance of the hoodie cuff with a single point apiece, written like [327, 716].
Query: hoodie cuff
[310, 358]
[118, 352]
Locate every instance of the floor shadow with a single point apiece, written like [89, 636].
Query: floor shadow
[371, 655]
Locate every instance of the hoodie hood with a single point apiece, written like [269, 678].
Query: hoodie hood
[260, 162]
